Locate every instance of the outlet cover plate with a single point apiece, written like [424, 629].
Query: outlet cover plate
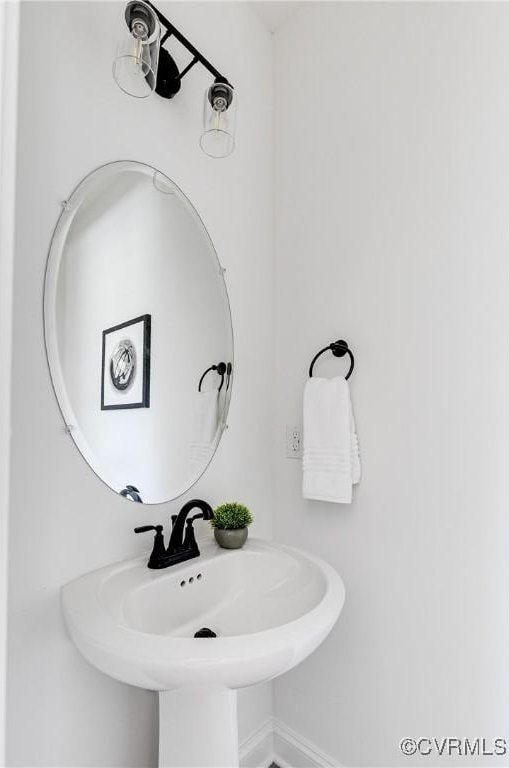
[293, 441]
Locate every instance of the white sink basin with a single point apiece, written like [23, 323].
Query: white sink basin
[269, 605]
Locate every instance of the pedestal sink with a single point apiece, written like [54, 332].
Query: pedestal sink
[269, 606]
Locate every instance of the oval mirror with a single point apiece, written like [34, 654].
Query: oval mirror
[138, 332]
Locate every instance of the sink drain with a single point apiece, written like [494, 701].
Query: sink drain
[205, 632]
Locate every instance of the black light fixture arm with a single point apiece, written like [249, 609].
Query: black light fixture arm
[198, 58]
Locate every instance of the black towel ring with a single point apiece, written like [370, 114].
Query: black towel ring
[220, 368]
[338, 349]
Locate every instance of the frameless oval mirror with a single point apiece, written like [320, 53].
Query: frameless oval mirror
[138, 332]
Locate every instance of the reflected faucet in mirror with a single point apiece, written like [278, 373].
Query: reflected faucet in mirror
[182, 546]
[131, 492]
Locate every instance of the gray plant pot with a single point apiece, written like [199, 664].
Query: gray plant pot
[230, 539]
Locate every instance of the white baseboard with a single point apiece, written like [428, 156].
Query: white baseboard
[257, 751]
[276, 742]
[291, 750]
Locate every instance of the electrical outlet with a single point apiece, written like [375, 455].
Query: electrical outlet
[293, 442]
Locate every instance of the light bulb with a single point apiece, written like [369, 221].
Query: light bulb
[219, 113]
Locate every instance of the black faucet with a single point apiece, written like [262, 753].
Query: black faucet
[177, 539]
[181, 546]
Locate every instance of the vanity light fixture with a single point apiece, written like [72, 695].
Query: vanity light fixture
[143, 65]
[135, 66]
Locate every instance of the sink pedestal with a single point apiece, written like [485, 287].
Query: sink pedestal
[198, 728]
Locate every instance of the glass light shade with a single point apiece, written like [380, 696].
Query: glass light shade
[219, 117]
[135, 65]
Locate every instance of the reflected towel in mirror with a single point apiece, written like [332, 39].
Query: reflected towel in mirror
[205, 422]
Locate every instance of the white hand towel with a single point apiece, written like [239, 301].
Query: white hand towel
[204, 427]
[331, 463]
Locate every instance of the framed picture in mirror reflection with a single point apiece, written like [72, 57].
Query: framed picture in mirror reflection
[125, 374]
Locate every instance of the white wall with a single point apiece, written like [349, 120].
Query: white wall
[9, 29]
[391, 232]
[72, 117]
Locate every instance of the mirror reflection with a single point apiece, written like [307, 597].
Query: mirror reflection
[138, 332]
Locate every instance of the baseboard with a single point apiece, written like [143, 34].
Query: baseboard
[257, 751]
[276, 742]
[291, 750]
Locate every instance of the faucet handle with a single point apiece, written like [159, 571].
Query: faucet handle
[145, 528]
[189, 538]
[158, 550]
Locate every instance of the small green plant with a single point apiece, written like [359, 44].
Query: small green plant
[231, 516]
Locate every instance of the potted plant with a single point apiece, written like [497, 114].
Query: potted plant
[230, 523]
